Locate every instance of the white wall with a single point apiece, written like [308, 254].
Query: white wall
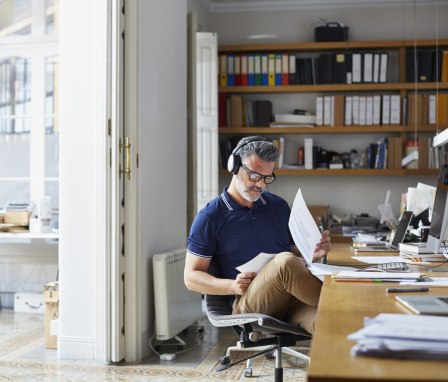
[162, 154]
[82, 175]
[343, 194]
[163, 139]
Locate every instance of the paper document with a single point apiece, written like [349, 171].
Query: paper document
[430, 281]
[320, 270]
[387, 276]
[402, 336]
[304, 230]
[256, 263]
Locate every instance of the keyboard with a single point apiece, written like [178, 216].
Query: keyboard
[394, 266]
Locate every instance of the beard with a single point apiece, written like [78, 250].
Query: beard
[245, 191]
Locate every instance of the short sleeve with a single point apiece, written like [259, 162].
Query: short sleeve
[202, 239]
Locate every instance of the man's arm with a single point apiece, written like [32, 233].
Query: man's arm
[197, 279]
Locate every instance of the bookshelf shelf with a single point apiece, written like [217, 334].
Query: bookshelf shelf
[350, 172]
[325, 130]
[418, 117]
[376, 87]
[322, 46]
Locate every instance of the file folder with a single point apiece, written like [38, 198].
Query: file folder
[237, 70]
[292, 70]
[384, 66]
[271, 69]
[251, 70]
[348, 111]
[223, 70]
[285, 69]
[264, 69]
[356, 68]
[376, 67]
[368, 67]
[230, 70]
[339, 67]
[244, 69]
[257, 70]
[278, 69]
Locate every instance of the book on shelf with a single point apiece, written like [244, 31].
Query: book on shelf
[309, 154]
[295, 118]
[263, 113]
[286, 124]
[280, 144]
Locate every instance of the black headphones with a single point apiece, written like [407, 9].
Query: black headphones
[234, 161]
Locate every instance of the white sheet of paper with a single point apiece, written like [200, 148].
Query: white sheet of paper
[256, 263]
[434, 281]
[319, 269]
[377, 275]
[377, 259]
[304, 230]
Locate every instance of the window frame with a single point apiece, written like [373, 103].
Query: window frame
[37, 46]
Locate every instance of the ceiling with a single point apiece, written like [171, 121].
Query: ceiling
[282, 5]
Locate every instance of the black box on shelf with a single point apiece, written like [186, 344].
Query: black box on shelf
[331, 32]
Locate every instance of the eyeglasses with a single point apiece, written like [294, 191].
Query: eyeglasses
[254, 177]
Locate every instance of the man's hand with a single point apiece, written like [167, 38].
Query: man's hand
[242, 282]
[323, 247]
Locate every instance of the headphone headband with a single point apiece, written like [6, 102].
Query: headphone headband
[234, 161]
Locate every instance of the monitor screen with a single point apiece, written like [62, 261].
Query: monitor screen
[439, 218]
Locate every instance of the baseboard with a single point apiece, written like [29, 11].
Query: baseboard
[76, 348]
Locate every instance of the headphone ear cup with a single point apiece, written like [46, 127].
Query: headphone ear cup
[230, 163]
[233, 163]
[236, 164]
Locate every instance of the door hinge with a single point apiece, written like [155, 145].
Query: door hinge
[137, 161]
[109, 127]
[127, 147]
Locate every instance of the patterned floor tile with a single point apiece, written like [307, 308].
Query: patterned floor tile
[23, 358]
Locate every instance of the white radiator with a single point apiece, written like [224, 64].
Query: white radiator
[176, 307]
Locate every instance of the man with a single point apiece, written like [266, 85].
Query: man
[239, 224]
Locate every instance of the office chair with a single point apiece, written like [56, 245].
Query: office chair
[258, 332]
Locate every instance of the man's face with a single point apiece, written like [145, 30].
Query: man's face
[249, 190]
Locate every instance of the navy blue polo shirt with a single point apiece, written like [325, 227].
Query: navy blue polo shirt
[231, 234]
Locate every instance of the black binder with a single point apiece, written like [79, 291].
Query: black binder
[263, 113]
[339, 66]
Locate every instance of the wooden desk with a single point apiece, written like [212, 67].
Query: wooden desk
[341, 311]
[341, 254]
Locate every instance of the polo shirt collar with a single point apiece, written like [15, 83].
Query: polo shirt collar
[232, 205]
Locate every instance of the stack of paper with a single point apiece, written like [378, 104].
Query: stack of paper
[375, 276]
[402, 336]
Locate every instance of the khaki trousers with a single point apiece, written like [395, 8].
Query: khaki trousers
[284, 289]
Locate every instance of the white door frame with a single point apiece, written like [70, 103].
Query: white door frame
[106, 314]
[133, 340]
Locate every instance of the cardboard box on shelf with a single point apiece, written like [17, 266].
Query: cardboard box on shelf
[51, 299]
[17, 217]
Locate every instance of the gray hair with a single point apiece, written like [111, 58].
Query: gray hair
[263, 148]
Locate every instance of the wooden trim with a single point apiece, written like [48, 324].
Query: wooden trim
[377, 87]
[384, 129]
[317, 46]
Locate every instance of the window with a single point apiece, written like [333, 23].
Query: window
[29, 128]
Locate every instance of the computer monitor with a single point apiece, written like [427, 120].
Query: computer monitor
[439, 218]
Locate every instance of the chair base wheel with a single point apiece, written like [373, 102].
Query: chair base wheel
[248, 372]
[270, 355]
[224, 360]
